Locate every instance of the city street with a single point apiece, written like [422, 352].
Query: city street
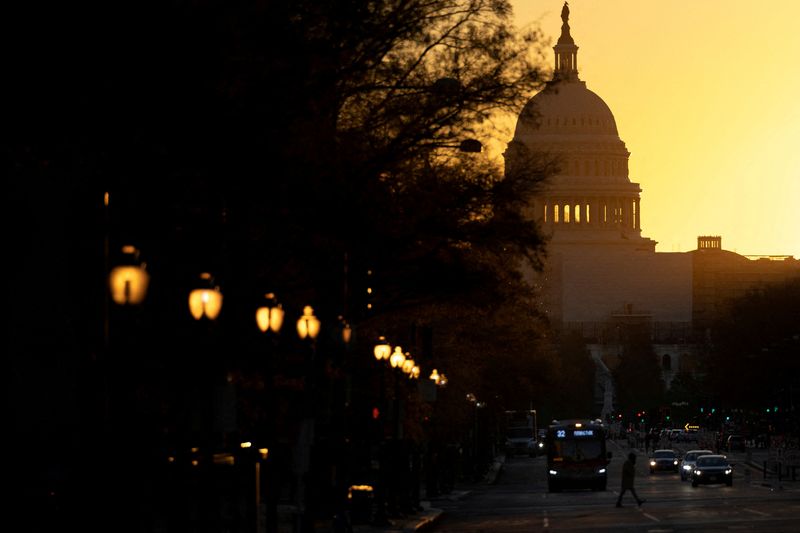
[519, 501]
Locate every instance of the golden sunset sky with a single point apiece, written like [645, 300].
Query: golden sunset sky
[706, 96]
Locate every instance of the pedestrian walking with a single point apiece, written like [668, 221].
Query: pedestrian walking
[628, 474]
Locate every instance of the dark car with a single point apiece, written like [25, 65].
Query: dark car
[520, 440]
[664, 461]
[688, 461]
[712, 469]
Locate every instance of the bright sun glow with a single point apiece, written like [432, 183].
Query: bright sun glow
[705, 96]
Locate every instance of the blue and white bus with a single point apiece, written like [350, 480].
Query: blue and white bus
[576, 455]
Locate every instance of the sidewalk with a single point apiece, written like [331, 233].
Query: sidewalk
[755, 460]
[430, 514]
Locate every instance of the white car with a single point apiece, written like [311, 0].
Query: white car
[688, 462]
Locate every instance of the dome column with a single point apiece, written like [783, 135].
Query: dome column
[626, 212]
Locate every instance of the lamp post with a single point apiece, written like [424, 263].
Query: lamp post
[124, 287]
[308, 327]
[269, 319]
[382, 352]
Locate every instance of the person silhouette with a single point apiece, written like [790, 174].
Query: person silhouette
[628, 475]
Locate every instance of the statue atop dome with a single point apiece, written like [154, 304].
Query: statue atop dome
[566, 51]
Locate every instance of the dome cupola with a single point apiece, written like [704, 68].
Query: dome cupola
[591, 198]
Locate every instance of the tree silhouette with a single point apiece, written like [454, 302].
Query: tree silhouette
[753, 360]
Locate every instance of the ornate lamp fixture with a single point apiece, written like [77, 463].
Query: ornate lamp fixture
[308, 324]
[398, 358]
[206, 300]
[382, 349]
[269, 316]
[129, 280]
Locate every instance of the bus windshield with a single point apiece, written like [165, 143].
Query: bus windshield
[578, 450]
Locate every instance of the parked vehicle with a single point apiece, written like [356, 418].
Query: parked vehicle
[712, 468]
[688, 461]
[735, 443]
[520, 440]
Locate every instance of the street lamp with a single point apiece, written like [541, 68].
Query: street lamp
[398, 358]
[307, 329]
[347, 330]
[308, 324]
[382, 349]
[408, 364]
[129, 280]
[206, 299]
[269, 316]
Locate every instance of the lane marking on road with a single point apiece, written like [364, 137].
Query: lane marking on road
[546, 521]
[760, 513]
[648, 515]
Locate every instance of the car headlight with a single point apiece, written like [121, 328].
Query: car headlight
[698, 473]
[652, 463]
[541, 445]
[675, 463]
[728, 471]
[687, 467]
[553, 472]
[601, 471]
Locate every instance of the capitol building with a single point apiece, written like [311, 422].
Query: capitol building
[601, 272]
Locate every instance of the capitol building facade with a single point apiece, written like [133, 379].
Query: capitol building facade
[601, 273]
